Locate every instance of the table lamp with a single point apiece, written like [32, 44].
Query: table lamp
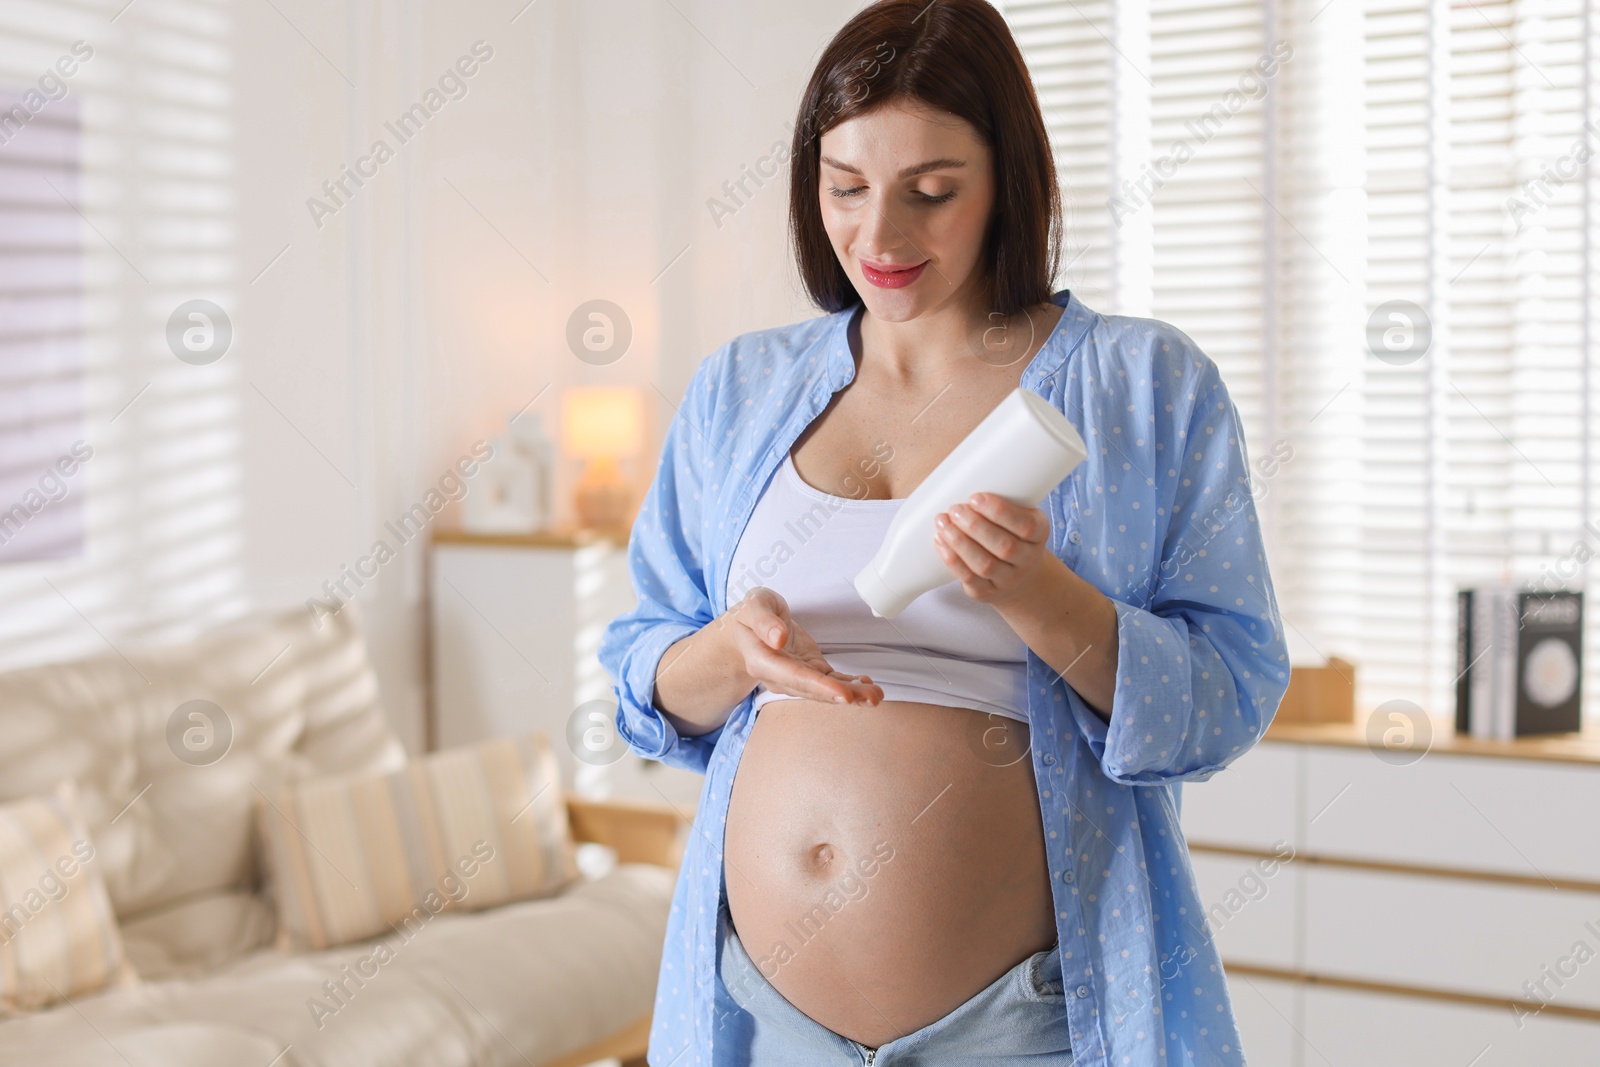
[600, 425]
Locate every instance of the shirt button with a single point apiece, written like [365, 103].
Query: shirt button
[1075, 537]
[1083, 991]
[1049, 760]
[1066, 876]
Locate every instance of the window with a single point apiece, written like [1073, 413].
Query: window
[1377, 216]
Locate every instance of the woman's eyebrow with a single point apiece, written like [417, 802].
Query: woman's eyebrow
[909, 172]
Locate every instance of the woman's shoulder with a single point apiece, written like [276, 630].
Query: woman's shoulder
[1135, 350]
[760, 359]
[787, 343]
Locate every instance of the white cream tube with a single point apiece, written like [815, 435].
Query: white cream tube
[1020, 451]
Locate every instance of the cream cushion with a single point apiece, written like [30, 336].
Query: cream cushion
[58, 937]
[355, 856]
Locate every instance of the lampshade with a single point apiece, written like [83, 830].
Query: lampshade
[599, 421]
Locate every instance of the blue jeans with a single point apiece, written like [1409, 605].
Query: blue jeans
[1018, 1019]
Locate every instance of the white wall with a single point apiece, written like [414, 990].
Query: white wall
[591, 143]
[378, 346]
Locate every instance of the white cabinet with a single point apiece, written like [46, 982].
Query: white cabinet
[1271, 1017]
[1460, 934]
[1519, 816]
[1252, 907]
[1294, 1024]
[515, 626]
[1438, 910]
[1253, 803]
[1352, 1028]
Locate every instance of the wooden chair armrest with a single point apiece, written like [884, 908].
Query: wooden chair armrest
[639, 831]
[628, 1045]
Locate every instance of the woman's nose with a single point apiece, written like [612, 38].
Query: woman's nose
[883, 231]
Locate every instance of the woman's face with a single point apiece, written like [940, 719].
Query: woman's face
[906, 194]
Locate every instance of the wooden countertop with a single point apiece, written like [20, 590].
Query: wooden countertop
[1559, 748]
[556, 538]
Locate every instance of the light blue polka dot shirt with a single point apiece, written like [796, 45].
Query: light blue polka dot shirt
[1160, 518]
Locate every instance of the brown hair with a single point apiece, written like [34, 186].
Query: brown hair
[956, 56]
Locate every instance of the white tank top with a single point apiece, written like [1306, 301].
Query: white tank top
[946, 648]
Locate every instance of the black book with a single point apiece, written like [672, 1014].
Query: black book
[1464, 656]
[1549, 663]
[1519, 662]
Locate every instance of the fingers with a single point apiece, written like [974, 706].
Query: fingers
[1027, 524]
[979, 544]
[775, 663]
[983, 531]
[782, 672]
[795, 679]
[958, 566]
[766, 613]
[987, 546]
[863, 689]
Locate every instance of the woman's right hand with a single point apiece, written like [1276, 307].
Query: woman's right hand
[780, 654]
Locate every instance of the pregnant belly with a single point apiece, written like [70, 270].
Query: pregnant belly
[885, 864]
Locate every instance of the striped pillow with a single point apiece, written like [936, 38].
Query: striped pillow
[354, 856]
[58, 935]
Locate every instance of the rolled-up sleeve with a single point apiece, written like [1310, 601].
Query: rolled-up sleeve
[1201, 670]
[667, 565]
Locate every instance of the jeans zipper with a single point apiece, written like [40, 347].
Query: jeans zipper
[871, 1056]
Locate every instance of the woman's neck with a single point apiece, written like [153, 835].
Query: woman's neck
[944, 341]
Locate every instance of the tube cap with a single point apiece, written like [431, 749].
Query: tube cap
[885, 601]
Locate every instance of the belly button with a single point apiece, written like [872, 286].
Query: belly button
[822, 855]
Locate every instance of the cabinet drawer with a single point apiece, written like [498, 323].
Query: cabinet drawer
[1295, 1024]
[1520, 817]
[1349, 1028]
[1453, 934]
[1251, 803]
[1249, 906]
[1268, 1013]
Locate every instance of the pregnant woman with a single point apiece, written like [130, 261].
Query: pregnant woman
[950, 837]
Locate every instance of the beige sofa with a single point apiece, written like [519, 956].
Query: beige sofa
[560, 981]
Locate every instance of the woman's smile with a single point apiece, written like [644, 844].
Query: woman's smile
[892, 277]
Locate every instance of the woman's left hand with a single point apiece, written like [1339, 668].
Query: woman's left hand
[995, 548]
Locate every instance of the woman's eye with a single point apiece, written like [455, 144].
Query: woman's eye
[925, 198]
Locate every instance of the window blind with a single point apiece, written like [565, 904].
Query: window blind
[1068, 50]
[41, 319]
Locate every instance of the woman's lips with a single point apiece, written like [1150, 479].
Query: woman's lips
[885, 278]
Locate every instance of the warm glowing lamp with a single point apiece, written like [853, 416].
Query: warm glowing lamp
[600, 425]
